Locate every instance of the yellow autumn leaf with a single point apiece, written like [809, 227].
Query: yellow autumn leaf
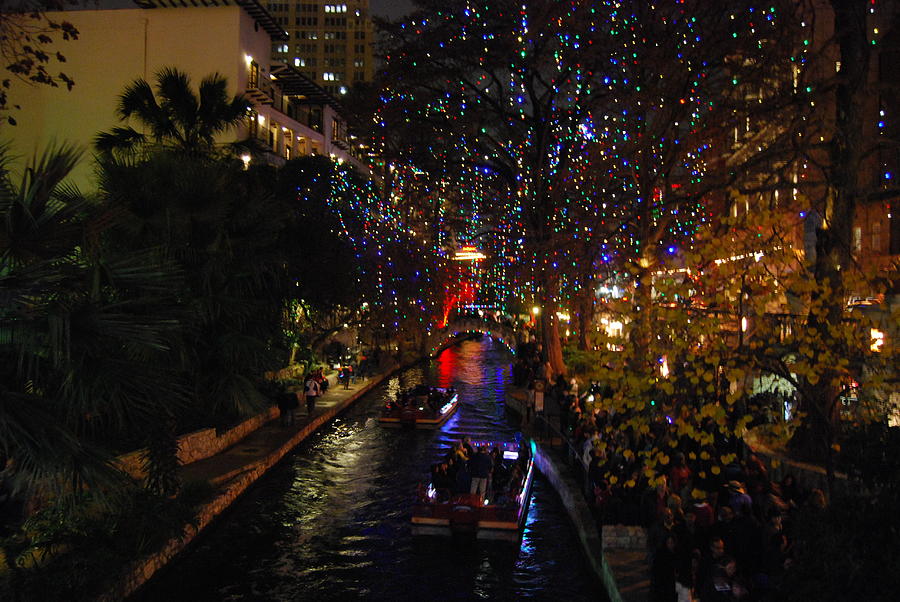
[704, 455]
[613, 480]
[629, 483]
[692, 456]
[836, 447]
[715, 470]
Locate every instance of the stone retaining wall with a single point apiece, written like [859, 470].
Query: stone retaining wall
[582, 518]
[201, 444]
[139, 572]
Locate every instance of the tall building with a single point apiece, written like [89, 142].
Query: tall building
[329, 42]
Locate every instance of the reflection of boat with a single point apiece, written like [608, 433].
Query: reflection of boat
[437, 512]
[421, 407]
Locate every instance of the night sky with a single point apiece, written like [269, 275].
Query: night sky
[390, 9]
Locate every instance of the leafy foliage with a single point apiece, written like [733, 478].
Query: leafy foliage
[27, 33]
[71, 548]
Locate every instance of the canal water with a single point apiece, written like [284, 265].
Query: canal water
[331, 522]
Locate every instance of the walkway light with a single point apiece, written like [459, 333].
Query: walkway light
[877, 340]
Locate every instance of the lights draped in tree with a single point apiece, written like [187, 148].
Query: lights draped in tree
[585, 138]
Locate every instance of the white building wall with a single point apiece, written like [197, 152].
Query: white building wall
[114, 48]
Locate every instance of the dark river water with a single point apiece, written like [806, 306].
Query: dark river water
[331, 521]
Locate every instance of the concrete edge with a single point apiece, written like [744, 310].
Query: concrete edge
[583, 520]
[141, 571]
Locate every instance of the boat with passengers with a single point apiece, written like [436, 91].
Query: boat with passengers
[421, 407]
[499, 513]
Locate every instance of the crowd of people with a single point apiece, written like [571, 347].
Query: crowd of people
[314, 386]
[477, 470]
[733, 543]
[717, 531]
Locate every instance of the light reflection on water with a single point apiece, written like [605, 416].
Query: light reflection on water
[332, 521]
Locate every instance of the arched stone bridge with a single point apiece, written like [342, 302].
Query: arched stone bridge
[464, 325]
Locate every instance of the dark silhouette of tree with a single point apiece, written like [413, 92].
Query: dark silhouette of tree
[27, 33]
[175, 115]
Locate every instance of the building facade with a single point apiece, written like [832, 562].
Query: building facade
[290, 116]
[329, 42]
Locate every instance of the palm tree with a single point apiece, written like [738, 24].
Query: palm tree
[222, 228]
[81, 332]
[174, 115]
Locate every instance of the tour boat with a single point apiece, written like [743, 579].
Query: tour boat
[421, 407]
[503, 518]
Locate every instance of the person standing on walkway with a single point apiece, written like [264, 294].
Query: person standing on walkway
[287, 404]
[312, 392]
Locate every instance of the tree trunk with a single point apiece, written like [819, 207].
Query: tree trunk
[833, 240]
[641, 329]
[550, 337]
[585, 316]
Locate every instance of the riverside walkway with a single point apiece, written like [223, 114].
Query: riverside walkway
[234, 469]
[259, 447]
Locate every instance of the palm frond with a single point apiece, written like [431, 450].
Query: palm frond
[180, 103]
[118, 139]
[47, 455]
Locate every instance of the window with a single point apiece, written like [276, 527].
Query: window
[358, 63]
[335, 8]
[857, 239]
[253, 76]
[875, 237]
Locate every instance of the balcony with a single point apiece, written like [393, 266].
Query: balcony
[260, 92]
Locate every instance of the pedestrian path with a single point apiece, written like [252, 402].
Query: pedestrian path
[233, 470]
[271, 438]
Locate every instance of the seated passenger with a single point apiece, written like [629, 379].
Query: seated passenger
[442, 482]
